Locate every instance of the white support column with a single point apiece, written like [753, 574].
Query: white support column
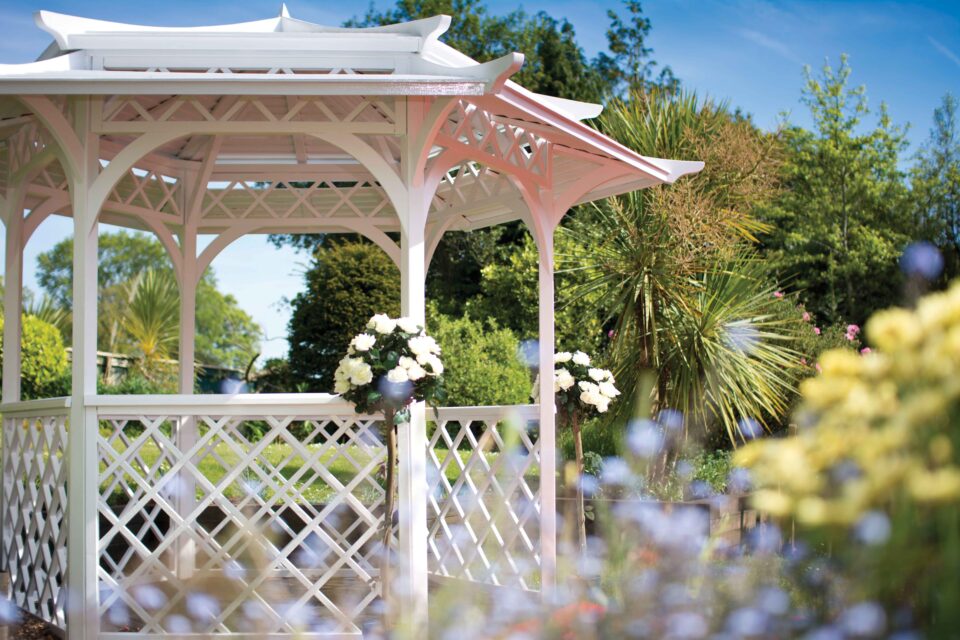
[13, 296]
[186, 437]
[83, 620]
[188, 308]
[12, 307]
[410, 587]
[548, 437]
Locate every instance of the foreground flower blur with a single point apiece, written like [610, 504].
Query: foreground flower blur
[879, 443]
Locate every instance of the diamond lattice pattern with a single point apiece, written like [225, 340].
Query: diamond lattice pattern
[34, 522]
[484, 503]
[239, 524]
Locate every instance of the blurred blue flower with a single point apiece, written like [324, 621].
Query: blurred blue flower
[922, 259]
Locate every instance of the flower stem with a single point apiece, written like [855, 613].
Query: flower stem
[581, 512]
[388, 420]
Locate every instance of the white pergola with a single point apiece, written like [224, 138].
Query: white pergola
[273, 126]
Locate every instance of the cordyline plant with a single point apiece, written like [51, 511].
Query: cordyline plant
[388, 367]
[579, 391]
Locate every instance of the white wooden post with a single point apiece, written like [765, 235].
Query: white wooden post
[185, 487]
[13, 296]
[13, 307]
[548, 439]
[83, 620]
[411, 582]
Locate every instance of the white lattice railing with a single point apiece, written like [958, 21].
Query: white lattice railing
[34, 532]
[484, 504]
[258, 515]
[244, 514]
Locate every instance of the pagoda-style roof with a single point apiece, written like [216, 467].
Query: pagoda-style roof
[258, 105]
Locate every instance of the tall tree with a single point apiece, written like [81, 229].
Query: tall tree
[555, 64]
[346, 284]
[936, 185]
[842, 221]
[225, 334]
[670, 267]
[630, 67]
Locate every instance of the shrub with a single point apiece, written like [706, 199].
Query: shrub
[482, 364]
[133, 384]
[44, 367]
[346, 284]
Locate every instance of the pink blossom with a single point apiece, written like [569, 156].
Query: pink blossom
[806, 316]
[818, 367]
[778, 294]
[852, 331]
[611, 334]
[816, 330]
[803, 361]
[865, 350]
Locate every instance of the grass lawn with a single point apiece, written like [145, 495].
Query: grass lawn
[308, 486]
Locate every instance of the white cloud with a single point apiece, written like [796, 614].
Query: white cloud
[942, 48]
[772, 44]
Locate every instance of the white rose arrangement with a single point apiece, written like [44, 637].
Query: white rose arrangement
[388, 366]
[580, 390]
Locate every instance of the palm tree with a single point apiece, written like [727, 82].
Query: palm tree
[152, 319]
[671, 267]
[51, 313]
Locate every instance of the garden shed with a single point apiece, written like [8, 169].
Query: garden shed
[200, 136]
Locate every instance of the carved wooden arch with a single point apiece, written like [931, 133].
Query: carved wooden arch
[235, 232]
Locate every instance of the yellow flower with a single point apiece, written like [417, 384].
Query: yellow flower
[941, 449]
[941, 485]
[894, 330]
[776, 503]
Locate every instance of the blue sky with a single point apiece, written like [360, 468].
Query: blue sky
[749, 52]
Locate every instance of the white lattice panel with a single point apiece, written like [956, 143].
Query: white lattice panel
[150, 191]
[247, 109]
[34, 518]
[491, 140]
[280, 200]
[484, 504]
[281, 528]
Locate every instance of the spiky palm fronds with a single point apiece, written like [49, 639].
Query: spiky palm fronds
[152, 319]
[51, 313]
[670, 268]
[727, 350]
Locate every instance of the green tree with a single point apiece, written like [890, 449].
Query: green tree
[151, 319]
[121, 256]
[629, 67]
[482, 366]
[936, 185]
[225, 334]
[346, 284]
[842, 221]
[509, 288]
[554, 63]
[671, 270]
[43, 365]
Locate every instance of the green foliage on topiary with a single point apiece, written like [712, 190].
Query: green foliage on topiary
[482, 363]
[44, 364]
[509, 293]
[346, 284]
